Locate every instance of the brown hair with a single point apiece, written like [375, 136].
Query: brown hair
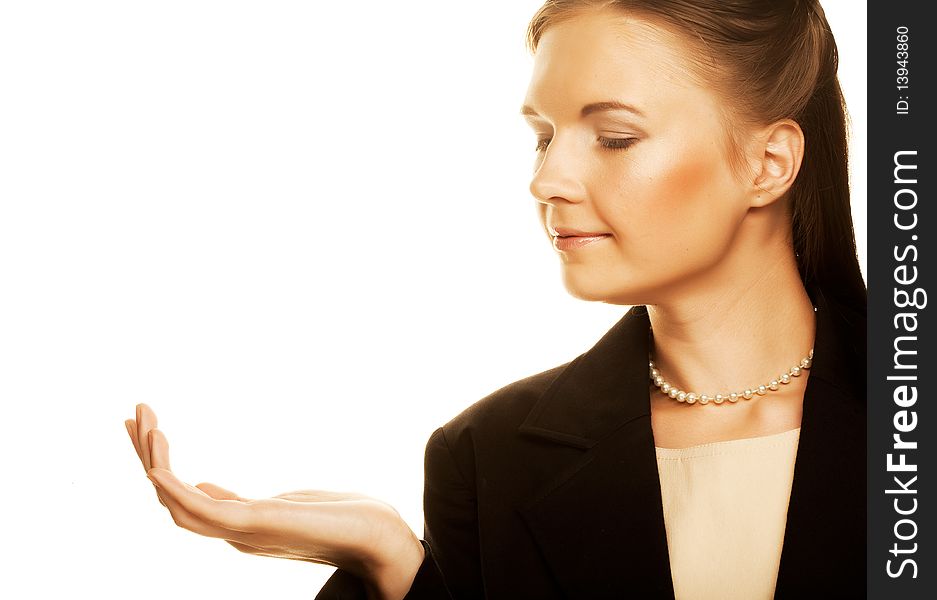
[783, 55]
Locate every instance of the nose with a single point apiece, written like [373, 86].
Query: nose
[557, 178]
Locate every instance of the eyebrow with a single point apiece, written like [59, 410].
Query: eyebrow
[588, 109]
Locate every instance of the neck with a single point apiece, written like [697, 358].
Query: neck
[736, 333]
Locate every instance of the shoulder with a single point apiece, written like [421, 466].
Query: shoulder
[487, 428]
[505, 408]
[494, 420]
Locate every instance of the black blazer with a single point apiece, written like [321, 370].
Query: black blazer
[548, 488]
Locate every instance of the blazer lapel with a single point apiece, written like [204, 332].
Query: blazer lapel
[599, 520]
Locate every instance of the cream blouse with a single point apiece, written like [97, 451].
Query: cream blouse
[725, 508]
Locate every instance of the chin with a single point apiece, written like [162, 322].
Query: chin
[585, 294]
[597, 290]
[602, 287]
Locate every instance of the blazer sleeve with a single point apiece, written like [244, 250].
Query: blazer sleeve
[451, 568]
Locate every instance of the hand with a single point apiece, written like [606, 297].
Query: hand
[362, 535]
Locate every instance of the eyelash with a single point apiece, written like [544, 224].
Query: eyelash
[609, 143]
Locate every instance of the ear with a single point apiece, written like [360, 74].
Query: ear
[779, 151]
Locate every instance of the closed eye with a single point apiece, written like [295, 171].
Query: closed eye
[610, 143]
[617, 143]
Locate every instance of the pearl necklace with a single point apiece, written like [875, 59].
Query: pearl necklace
[748, 394]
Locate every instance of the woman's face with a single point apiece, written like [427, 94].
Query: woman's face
[654, 184]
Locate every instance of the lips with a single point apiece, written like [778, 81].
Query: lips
[567, 238]
[570, 232]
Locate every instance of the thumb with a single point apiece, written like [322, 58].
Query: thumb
[219, 493]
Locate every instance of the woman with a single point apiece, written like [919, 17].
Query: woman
[691, 162]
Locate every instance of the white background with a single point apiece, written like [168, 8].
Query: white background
[302, 232]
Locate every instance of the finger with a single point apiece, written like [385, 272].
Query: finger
[159, 450]
[161, 455]
[186, 520]
[227, 514]
[146, 420]
[132, 430]
[219, 493]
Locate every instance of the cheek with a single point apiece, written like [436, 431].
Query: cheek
[680, 198]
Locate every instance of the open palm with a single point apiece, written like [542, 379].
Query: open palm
[362, 535]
